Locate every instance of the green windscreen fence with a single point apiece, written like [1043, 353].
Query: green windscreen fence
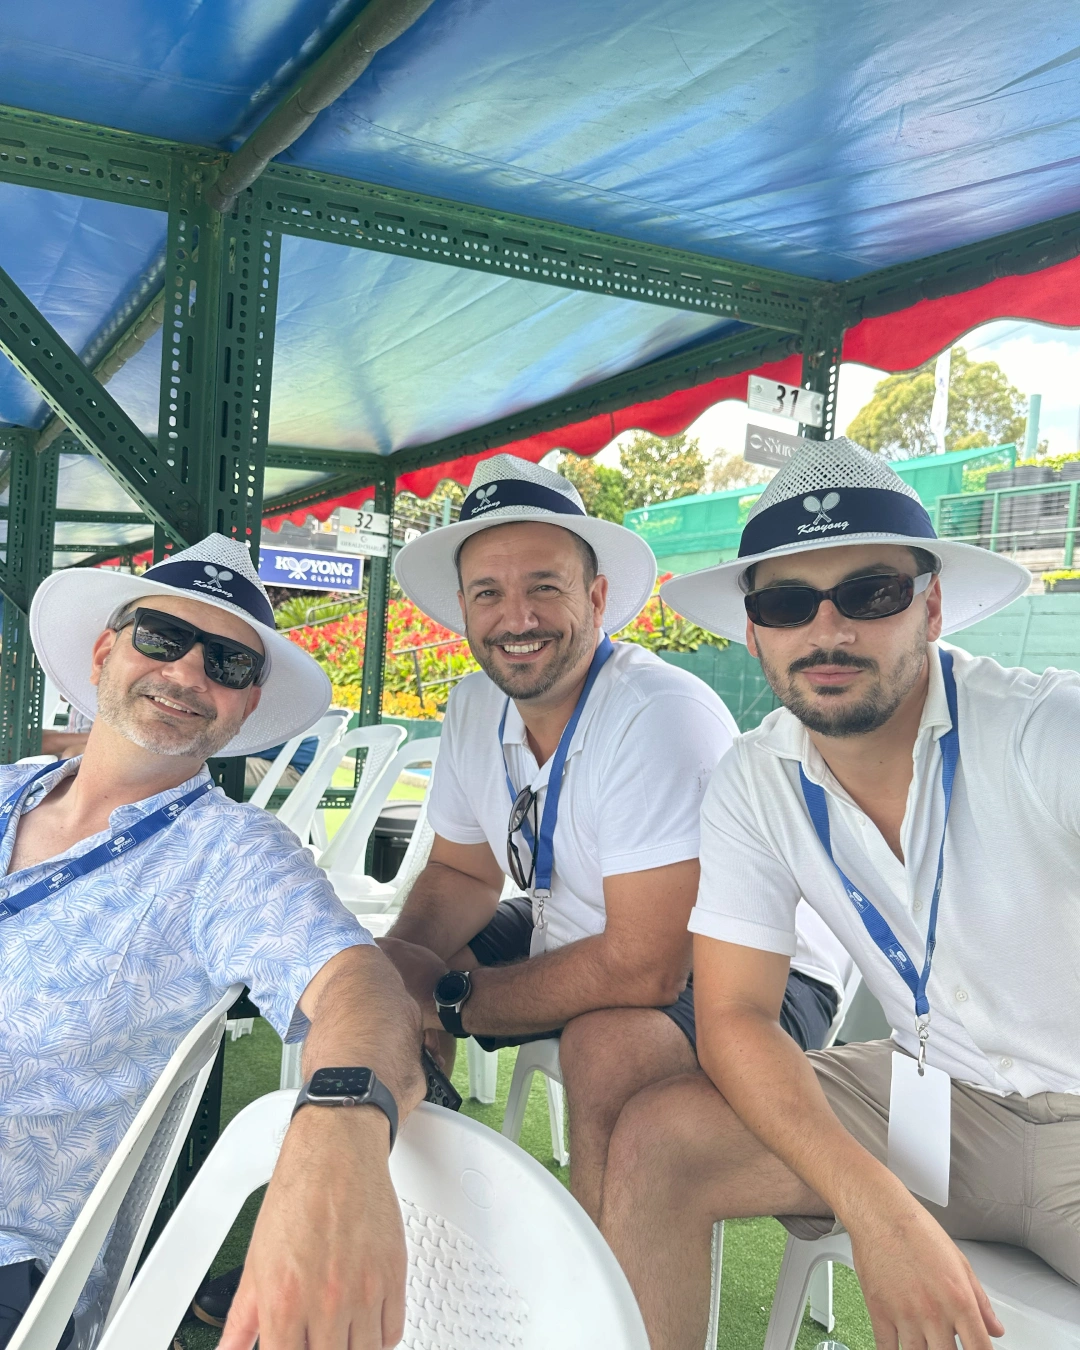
[1036, 631]
[700, 531]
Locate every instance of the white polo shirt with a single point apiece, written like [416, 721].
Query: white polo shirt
[636, 771]
[1005, 985]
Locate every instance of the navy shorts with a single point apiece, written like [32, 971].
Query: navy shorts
[806, 1014]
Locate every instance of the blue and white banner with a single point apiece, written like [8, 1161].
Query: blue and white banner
[310, 571]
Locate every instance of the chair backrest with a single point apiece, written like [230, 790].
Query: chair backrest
[129, 1192]
[298, 813]
[348, 848]
[499, 1252]
[328, 729]
[854, 980]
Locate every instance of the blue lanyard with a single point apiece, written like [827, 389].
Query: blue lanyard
[878, 928]
[97, 857]
[544, 853]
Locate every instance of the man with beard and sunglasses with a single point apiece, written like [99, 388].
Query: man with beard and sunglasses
[922, 801]
[135, 894]
[576, 767]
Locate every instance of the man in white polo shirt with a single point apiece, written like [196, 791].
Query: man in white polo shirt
[924, 803]
[578, 767]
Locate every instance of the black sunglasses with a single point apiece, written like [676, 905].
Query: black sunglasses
[164, 637]
[524, 806]
[871, 597]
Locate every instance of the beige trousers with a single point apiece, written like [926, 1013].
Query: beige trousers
[1015, 1170]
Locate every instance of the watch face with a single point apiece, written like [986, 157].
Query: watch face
[452, 988]
[340, 1083]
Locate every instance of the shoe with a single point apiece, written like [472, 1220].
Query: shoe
[214, 1297]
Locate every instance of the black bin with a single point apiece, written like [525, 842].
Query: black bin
[390, 838]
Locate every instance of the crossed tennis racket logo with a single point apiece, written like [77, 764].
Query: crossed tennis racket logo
[822, 506]
[484, 496]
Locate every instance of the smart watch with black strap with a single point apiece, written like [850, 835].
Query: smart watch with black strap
[450, 994]
[349, 1087]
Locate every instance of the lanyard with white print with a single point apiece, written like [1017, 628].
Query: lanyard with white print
[544, 855]
[105, 853]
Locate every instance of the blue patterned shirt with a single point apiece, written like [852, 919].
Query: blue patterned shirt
[102, 981]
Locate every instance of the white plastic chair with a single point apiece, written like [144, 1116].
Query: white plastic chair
[129, 1192]
[329, 729]
[499, 1252]
[344, 856]
[300, 809]
[537, 1057]
[1039, 1309]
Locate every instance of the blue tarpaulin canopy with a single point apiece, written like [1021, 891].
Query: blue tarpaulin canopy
[823, 141]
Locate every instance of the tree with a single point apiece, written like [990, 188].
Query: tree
[984, 409]
[661, 468]
[732, 471]
[602, 490]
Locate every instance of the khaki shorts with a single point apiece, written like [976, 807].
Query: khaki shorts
[1015, 1171]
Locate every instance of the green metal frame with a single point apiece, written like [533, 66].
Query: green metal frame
[217, 297]
[28, 556]
[378, 598]
[970, 504]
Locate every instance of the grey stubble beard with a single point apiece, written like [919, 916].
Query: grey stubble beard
[116, 708]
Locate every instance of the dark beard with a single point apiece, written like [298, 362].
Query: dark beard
[522, 683]
[872, 712]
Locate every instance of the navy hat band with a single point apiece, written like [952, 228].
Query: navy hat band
[516, 492]
[830, 515]
[210, 581]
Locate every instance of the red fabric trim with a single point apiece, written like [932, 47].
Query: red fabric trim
[893, 342]
[906, 339]
[662, 416]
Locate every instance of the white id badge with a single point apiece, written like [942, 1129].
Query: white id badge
[920, 1136]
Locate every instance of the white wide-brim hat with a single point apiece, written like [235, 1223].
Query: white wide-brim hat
[506, 490]
[72, 608]
[836, 492]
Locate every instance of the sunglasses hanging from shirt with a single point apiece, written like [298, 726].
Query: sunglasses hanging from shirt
[164, 637]
[919, 1132]
[67, 872]
[540, 842]
[877, 596]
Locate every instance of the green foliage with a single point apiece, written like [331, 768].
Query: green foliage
[1051, 461]
[661, 468]
[660, 629]
[984, 409]
[732, 471]
[653, 469]
[319, 607]
[602, 490]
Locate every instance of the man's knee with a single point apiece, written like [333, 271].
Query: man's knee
[609, 1055]
[673, 1132]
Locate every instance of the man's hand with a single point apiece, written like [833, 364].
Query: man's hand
[421, 970]
[920, 1291]
[326, 1267]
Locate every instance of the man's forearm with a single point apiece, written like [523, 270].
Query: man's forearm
[546, 991]
[444, 910]
[364, 1016]
[770, 1084]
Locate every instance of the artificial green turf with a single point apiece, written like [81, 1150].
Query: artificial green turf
[752, 1247]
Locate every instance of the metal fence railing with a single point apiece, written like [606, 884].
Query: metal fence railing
[1011, 519]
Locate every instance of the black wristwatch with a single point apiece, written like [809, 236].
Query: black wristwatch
[450, 994]
[349, 1087]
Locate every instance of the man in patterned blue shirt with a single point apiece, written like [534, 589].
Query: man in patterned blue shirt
[135, 894]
